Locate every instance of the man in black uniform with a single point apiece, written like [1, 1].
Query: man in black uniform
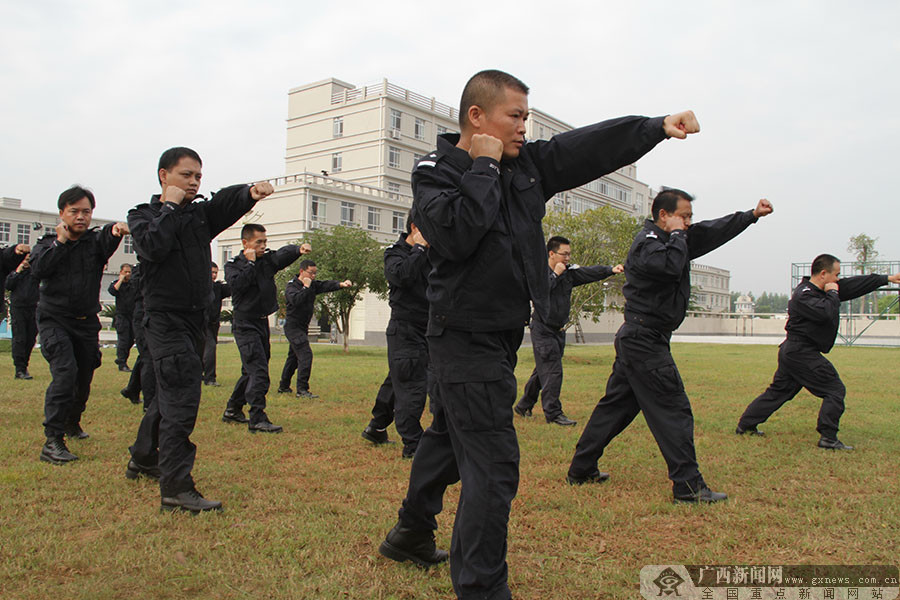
[10, 257]
[479, 199]
[24, 292]
[406, 269]
[69, 264]
[171, 236]
[813, 319]
[644, 376]
[123, 291]
[142, 378]
[251, 278]
[299, 297]
[220, 290]
[548, 337]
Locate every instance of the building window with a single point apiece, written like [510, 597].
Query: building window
[337, 127]
[23, 234]
[420, 129]
[396, 121]
[317, 210]
[336, 162]
[128, 244]
[393, 190]
[441, 130]
[348, 210]
[398, 222]
[226, 254]
[393, 157]
[4, 233]
[374, 223]
[416, 158]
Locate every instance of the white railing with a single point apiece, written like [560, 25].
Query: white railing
[395, 91]
[333, 183]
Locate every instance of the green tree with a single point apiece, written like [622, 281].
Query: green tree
[863, 248]
[600, 236]
[341, 253]
[887, 300]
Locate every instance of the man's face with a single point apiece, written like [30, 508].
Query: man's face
[215, 273]
[125, 272]
[560, 255]
[257, 242]
[506, 121]
[185, 175]
[308, 272]
[833, 275]
[77, 216]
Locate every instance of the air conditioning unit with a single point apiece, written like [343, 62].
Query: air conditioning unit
[313, 224]
[395, 134]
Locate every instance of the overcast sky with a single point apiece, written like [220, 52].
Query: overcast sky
[798, 101]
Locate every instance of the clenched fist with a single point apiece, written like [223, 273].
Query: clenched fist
[305, 248]
[346, 283]
[62, 233]
[250, 254]
[486, 145]
[120, 229]
[261, 190]
[681, 124]
[618, 269]
[763, 208]
[174, 195]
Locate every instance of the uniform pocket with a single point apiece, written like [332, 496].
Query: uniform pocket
[663, 376]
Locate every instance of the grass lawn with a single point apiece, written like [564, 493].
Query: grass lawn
[306, 510]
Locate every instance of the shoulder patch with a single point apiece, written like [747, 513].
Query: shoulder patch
[430, 160]
[652, 234]
[574, 266]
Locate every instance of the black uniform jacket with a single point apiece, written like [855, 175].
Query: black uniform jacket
[9, 260]
[124, 297]
[70, 273]
[138, 315]
[814, 314]
[252, 283]
[561, 291]
[299, 300]
[214, 311]
[406, 270]
[173, 245]
[658, 268]
[24, 289]
[482, 219]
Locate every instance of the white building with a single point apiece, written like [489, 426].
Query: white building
[744, 304]
[712, 291]
[26, 226]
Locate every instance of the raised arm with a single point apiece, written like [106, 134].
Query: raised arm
[706, 236]
[860, 285]
[240, 276]
[661, 260]
[583, 275]
[47, 255]
[285, 255]
[297, 292]
[454, 217]
[576, 157]
[109, 238]
[154, 232]
[402, 270]
[231, 203]
[816, 308]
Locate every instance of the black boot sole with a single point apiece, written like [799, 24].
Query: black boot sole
[392, 552]
[54, 461]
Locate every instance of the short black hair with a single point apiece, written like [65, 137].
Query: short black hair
[129, 265]
[667, 200]
[251, 229]
[75, 194]
[305, 264]
[555, 242]
[484, 89]
[213, 265]
[170, 158]
[823, 262]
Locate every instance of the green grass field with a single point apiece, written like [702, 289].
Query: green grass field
[306, 510]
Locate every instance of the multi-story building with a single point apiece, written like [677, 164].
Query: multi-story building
[711, 287]
[26, 226]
